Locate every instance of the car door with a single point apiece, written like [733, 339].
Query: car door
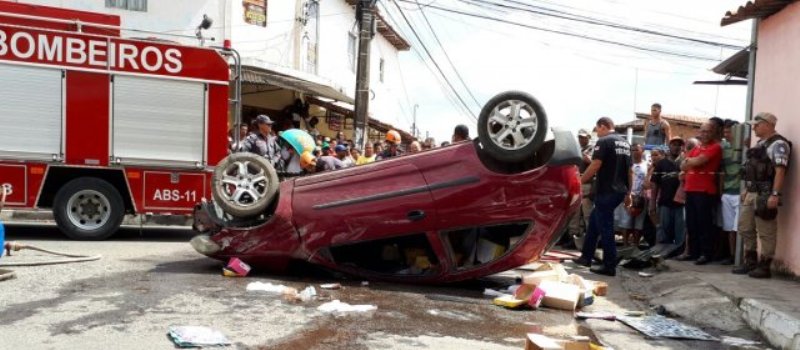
[385, 208]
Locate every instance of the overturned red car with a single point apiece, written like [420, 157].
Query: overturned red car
[459, 212]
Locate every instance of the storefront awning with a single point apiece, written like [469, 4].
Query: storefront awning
[347, 109]
[261, 76]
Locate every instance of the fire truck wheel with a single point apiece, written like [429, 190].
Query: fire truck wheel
[244, 184]
[88, 208]
[512, 126]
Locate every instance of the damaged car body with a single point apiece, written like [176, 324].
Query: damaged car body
[459, 212]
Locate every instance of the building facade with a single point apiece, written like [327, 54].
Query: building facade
[291, 50]
[775, 90]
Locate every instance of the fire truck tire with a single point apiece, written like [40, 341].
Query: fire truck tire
[88, 208]
[512, 126]
[244, 184]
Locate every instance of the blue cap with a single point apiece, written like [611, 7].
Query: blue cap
[341, 148]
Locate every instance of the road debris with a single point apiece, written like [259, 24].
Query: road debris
[196, 336]
[236, 268]
[338, 307]
[541, 342]
[330, 286]
[271, 288]
[661, 327]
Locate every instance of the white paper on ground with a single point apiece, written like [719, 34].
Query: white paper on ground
[194, 336]
[338, 306]
[266, 287]
[307, 294]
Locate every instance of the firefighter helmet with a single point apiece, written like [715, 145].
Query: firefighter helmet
[393, 137]
[308, 161]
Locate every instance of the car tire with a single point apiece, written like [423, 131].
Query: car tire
[244, 184]
[508, 134]
[88, 209]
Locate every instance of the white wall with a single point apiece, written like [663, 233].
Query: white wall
[273, 46]
[179, 17]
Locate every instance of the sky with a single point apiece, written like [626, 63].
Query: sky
[576, 80]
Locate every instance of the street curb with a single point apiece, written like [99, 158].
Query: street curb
[779, 328]
[46, 217]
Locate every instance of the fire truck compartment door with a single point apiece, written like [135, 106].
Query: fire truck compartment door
[31, 102]
[158, 120]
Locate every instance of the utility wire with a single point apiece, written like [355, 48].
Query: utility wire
[447, 93]
[657, 12]
[577, 18]
[422, 11]
[403, 14]
[554, 31]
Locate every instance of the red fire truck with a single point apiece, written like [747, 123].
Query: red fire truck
[95, 126]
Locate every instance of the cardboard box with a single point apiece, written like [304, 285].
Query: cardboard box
[531, 294]
[488, 250]
[600, 288]
[559, 295]
[536, 278]
[541, 342]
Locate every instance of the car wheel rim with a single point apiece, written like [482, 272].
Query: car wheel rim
[244, 183]
[88, 209]
[512, 125]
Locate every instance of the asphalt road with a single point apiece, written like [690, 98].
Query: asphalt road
[148, 280]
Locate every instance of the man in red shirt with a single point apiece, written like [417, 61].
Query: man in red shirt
[702, 191]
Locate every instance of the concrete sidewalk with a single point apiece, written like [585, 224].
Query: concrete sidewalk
[769, 306]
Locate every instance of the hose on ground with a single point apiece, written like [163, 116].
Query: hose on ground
[14, 246]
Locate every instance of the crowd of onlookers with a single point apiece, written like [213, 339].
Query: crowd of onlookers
[690, 194]
[329, 153]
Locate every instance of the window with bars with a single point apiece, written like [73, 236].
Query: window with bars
[132, 5]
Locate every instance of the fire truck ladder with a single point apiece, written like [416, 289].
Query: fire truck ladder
[236, 101]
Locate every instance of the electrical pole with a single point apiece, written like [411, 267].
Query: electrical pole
[414, 124]
[366, 25]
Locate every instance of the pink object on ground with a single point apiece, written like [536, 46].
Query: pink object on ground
[238, 266]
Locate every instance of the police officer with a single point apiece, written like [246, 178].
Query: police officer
[764, 174]
[263, 142]
[611, 162]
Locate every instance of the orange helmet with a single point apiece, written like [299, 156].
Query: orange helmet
[307, 160]
[393, 137]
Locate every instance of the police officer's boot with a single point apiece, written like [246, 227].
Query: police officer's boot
[749, 264]
[762, 271]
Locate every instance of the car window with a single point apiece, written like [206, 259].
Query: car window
[475, 246]
[404, 255]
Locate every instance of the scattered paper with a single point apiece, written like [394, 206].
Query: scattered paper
[330, 286]
[337, 306]
[492, 293]
[196, 336]
[307, 294]
[268, 287]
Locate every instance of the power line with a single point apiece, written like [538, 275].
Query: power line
[431, 57]
[447, 93]
[585, 37]
[588, 20]
[422, 11]
[653, 11]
